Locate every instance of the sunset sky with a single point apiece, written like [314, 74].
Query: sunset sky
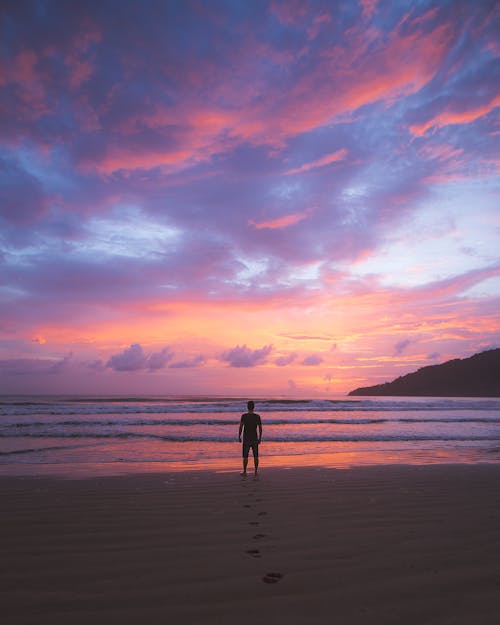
[245, 197]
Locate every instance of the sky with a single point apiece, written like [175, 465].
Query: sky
[258, 198]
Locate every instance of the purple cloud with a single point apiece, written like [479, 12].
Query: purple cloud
[61, 365]
[402, 345]
[158, 360]
[134, 358]
[196, 361]
[243, 356]
[96, 365]
[312, 361]
[283, 361]
[35, 366]
[22, 196]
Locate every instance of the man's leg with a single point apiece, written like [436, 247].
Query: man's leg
[245, 449]
[255, 449]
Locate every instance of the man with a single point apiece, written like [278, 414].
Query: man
[249, 423]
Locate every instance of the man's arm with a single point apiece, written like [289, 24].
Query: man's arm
[241, 429]
[260, 430]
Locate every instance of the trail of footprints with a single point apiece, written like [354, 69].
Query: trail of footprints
[272, 577]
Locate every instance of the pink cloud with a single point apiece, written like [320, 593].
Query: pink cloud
[449, 117]
[441, 152]
[281, 222]
[341, 79]
[290, 12]
[21, 69]
[121, 158]
[346, 78]
[334, 157]
[449, 162]
[80, 61]
[319, 22]
[369, 7]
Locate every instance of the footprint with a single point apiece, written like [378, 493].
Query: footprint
[247, 505]
[261, 513]
[253, 523]
[255, 553]
[272, 578]
[259, 536]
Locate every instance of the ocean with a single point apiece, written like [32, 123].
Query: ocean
[102, 435]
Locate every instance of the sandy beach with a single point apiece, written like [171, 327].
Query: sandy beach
[389, 544]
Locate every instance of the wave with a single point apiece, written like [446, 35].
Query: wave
[235, 422]
[292, 437]
[31, 450]
[124, 406]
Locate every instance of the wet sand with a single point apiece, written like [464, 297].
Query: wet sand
[388, 545]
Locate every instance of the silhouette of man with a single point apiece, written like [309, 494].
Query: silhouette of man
[249, 423]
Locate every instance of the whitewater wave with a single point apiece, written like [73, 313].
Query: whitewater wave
[495, 418]
[296, 437]
[132, 406]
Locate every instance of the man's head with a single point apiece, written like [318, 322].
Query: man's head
[250, 405]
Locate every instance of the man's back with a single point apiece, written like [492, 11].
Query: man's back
[250, 420]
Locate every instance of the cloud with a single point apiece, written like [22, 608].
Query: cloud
[134, 358]
[334, 157]
[369, 7]
[283, 361]
[61, 365]
[450, 116]
[96, 365]
[243, 356]
[145, 177]
[35, 366]
[158, 360]
[308, 337]
[312, 361]
[401, 346]
[281, 222]
[22, 197]
[196, 361]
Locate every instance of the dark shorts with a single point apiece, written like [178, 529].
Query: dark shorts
[246, 448]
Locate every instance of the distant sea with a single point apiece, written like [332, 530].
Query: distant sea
[75, 436]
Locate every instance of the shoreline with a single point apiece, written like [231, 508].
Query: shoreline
[383, 544]
[341, 459]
